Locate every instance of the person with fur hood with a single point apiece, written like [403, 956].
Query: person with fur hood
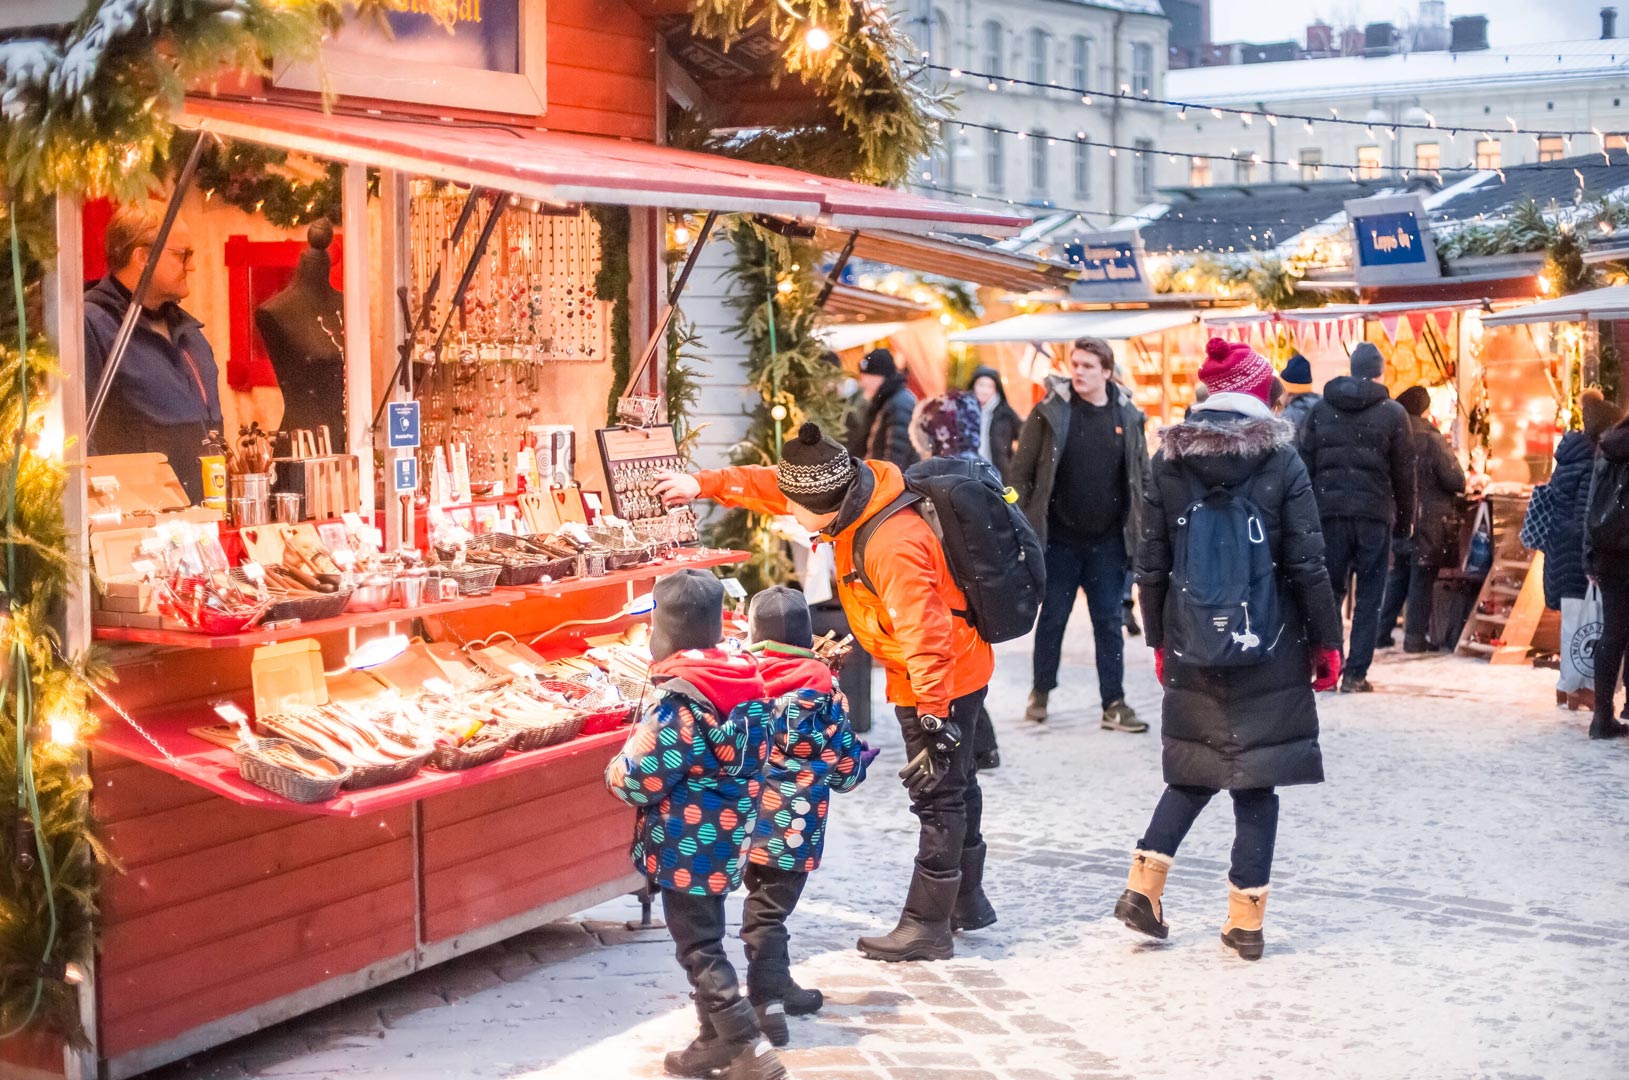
[691, 769]
[1249, 725]
[812, 753]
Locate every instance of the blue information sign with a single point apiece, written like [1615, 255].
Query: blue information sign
[1389, 239]
[1108, 266]
[407, 474]
[404, 425]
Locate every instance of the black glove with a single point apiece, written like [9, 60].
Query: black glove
[921, 774]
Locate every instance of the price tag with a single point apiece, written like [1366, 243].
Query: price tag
[439, 687]
[407, 474]
[144, 568]
[523, 669]
[404, 425]
[734, 589]
[254, 571]
[229, 711]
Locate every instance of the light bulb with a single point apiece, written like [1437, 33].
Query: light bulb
[778, 412]
[63, 731]
[816, 40]
[784, 287]
[681, 235]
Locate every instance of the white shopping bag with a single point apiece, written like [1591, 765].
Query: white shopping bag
[1580, 630]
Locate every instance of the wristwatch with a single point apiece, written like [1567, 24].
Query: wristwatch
[931, 724]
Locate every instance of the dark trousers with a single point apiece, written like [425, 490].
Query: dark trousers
[984, 736]
[951, 813]
[1612, 644]
[772, 895]
[1097, 568]
[697, 926]
[1409, 589]
[1255, 828]
[1360, 546]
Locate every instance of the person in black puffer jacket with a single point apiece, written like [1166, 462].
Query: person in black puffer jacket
[1563, 545]
[1439, 481]
[1244, 729]
[998, 421]
[1606, 561]
[1358, 449]
[886, 432]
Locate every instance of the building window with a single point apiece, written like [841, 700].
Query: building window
[1040, 56]
[1038, 163]
[1487, 153]
[993, 160]
[1427, 157]
[1142, 169]
[1199, 172]
[994, 46]
[940, 49]
[1142, 68]
[1080, 62]
[939, 168]
[1312, 163]
[1244, 169]
[1083, 170]
[1552, 148]
[1368, 162]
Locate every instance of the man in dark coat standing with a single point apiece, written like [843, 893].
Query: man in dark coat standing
[885, 434]
[1244, 729]
[998, 421]
[166, 396]
[1358, 449]
[1079, 472]
[1439, 481]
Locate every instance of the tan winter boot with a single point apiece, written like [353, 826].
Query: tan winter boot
[1242, 931]
[1139, 906]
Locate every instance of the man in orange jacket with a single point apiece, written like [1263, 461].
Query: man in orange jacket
[938, 668]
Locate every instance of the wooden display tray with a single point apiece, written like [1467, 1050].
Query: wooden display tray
[215, 768]
[688, 559]
[193, 640]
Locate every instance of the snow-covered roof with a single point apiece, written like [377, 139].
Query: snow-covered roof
[1130, 7]
[1359, 77]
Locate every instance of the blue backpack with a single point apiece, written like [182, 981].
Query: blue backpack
[1223, 583]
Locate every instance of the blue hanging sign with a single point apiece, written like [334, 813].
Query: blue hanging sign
[1109, 265]
[404, 425]
[1392, 240]
[407, 474]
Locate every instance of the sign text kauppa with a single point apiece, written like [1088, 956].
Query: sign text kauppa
[1390, 241]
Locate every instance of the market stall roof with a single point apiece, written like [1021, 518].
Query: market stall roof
[850, 303]
[1068, 325]
[955, 257]
[840, 337]
[1609, 303]
[1330, 312]
[559, 167]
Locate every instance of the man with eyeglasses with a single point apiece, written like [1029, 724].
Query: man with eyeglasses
[166, 395]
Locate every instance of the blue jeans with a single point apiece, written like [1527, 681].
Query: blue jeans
[1361, 547]
[1098, 568]
[1255, 829]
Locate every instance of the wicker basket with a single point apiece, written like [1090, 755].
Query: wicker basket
[481, 750]
[304, 608]
[524, 737]
[473, 580]
[261, 771]
[366, 776]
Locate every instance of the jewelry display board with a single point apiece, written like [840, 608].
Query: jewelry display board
[633, 458]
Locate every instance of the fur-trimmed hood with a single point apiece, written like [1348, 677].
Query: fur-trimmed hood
[1222, 434]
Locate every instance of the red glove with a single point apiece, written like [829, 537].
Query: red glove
[1159, 665]
[1326, 669]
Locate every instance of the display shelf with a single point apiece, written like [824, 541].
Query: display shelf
[192, 640]
[699, 559]
[215, 768]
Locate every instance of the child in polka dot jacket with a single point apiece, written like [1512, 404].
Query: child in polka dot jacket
[813, 752]
[691, 768]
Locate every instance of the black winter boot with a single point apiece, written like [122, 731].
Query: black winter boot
[750, 1055]
[801, 1002]
[973, 909]
[1604, 727]
[706, 1054]
[923, 932]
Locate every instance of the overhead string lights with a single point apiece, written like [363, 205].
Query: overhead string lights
[995, 84]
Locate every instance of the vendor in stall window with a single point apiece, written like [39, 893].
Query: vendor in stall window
[166, 395]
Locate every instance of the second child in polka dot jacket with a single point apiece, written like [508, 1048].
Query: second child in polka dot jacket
[813, 752]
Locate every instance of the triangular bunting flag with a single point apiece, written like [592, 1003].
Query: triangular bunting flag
[1416, 323]
[1444, 319]
[1388, 323]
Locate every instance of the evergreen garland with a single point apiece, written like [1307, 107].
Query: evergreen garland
[245, 175]
[613, 282]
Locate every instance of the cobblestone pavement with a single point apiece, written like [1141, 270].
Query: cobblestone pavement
[1450, 904]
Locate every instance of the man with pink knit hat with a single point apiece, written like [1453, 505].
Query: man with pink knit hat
[1238, 609]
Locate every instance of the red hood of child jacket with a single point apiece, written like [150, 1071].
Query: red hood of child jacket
[786, 672]
[727, 679]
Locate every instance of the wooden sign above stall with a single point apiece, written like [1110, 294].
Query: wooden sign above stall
[492, 60]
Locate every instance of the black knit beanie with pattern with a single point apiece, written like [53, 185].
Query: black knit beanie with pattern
[816, 472]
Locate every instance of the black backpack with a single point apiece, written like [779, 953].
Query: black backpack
[994, 556]
[1223, 583]
[1608, 516]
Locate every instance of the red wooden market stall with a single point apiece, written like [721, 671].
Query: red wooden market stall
[231, 905]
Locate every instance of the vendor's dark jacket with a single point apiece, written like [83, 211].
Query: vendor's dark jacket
[1564, 576]
[886, 432]
[156, 381]
[1241, 727]
[1439, 483]
[1359, 452]
[1606, 559]
[1041, 444]
[1004, 424]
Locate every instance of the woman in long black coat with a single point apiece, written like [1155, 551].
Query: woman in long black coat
[1250, 729]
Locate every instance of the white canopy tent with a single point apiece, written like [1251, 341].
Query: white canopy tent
[1052, 326]
[1609, 303]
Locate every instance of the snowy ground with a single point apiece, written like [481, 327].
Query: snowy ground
[1452, 903]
